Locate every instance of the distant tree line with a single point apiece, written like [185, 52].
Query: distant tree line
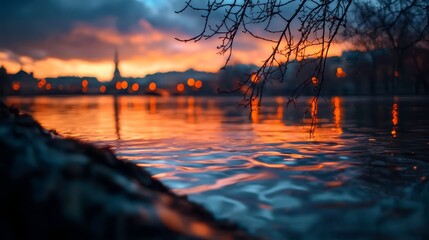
[391, 35]
[395, 34]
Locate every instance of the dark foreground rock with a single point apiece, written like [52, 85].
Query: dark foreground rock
[56, 188]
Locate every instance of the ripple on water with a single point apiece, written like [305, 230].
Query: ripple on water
[363, 176]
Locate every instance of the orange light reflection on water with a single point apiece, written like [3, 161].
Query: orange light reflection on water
[395, 120]
[241, 177]
[172, 128]
[337, 114]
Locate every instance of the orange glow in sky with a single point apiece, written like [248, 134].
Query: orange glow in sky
[140, 53]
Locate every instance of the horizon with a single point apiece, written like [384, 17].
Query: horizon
[79, 40]
[124, 76]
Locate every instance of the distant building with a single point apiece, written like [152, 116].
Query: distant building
[116, 73]
[72, 85]
[21, 83]
[115, 84]
[4, 81]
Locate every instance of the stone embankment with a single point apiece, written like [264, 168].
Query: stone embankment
[59, 188]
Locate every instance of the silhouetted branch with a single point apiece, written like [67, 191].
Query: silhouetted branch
[301, 31]
[390, 26]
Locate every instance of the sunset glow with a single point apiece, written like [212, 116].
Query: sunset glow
[214, 119]
[85, 48]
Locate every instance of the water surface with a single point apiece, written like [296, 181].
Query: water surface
[363, 175]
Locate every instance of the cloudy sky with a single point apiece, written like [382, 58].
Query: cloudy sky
[78, 37]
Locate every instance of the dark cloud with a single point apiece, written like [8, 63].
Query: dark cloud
[44, 28]
[70, 29]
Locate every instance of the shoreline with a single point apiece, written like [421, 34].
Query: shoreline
[55, 187]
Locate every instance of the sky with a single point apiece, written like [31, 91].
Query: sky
[78, 37]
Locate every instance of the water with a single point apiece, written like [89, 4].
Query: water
[363, 175]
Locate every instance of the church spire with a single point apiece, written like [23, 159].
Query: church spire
[117, 73]
[116, 59]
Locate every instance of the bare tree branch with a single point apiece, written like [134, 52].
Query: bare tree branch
[299, 31]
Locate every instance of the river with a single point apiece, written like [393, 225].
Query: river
[363, 175]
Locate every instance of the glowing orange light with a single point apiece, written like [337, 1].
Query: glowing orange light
[396, 73]
[124, 85]
[395, 119]
[395, 114]
[84, 89]
[152, 86]
[41, 83]
[118, 85]
[103, 89]
[85, 83]
[180, 87]
[198, 84]
[191, 82]
[254, 78]
[340, 73]
[135, 87]
[16, 86]
[314, 80]
[48, 86]
[337, 113]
